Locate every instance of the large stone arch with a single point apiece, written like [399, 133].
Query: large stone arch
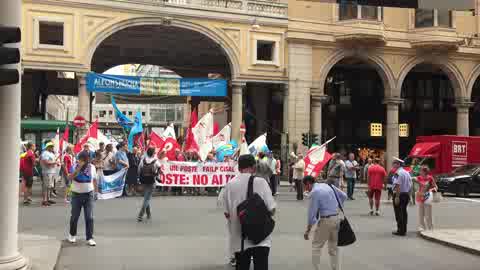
[474, 76]
[382, 68]
[230, 52]
[450, 69]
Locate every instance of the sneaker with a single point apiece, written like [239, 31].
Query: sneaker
[377, 213]
[233, 262]
[91, 243]
[26, 202]
[53, 194]
[139, 219]
[30, 200]
[71, 239]
[52, 202]
[371, 213]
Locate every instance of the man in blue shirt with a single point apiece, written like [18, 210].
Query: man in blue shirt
[402, 183]
[323, 211]
[121, 156]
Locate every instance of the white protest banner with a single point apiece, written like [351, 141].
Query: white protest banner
[196, 174]
[223, 137]
[111, 186]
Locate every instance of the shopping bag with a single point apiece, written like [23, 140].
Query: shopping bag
[428, 197]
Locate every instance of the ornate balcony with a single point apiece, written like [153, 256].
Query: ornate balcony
[435, 38]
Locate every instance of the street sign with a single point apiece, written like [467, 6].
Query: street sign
[79, 121]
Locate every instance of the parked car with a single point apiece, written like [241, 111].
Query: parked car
[462, 181]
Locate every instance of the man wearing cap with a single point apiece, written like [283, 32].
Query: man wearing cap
[49, 165]
[402, 183]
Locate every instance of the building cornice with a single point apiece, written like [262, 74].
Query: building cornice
[167, 10]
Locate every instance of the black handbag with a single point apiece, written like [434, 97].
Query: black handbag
[346, 236]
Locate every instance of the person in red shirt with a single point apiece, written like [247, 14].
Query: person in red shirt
[28, 164]
[376, 181]
[66, 169]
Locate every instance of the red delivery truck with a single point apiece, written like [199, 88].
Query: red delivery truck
[443, 153]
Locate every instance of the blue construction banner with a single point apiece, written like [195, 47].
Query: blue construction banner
[155, 86]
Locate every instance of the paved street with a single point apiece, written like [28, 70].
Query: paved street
[189, 233]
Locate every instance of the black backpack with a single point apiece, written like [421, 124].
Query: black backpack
[148, 172]
[255, 218]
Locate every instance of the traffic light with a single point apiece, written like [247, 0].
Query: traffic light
[306, 139]
[9, 55]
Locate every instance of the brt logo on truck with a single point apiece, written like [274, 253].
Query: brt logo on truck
[459, 153]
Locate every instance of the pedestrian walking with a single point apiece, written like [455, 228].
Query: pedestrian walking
[402, 183]
[365, 169]
[235, 194]
[49, 165]
[351, 174]
[148, 169]
[426, 183]
[323, 211]
[272, 162]
[298, 173]
[84, 186]
[376, 181]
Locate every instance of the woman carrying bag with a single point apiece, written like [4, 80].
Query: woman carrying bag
[427, 186]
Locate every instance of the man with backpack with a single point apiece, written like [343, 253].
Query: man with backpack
[147, 170]
[249, 207]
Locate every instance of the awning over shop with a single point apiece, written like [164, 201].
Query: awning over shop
[425, 149]
[43, 125]
[155, 86]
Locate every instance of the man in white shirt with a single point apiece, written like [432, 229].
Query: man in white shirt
[235, 193]
[298, 172]
[50, 165]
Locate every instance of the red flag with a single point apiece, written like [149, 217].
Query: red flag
[139, 140]
[156, 141]
[91, 133]
[316, 158]
[190, 143]
[216, 128]
[64, 138]
[170, 146]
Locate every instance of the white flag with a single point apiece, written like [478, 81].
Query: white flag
[169, 132]
[223, 137]
[56, 143]
[244, 147]
[259, 145]
[203, 134]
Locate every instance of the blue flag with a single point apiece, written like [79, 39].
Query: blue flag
[226, 150]
[122, 119]
[136, 128]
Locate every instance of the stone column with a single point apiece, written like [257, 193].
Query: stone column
[10, 105]
[285, 136]
[300, 69]
[285, 116]
[237, 110]
[392, 130]
[83, 100]
[316, 115]
[463, 108]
